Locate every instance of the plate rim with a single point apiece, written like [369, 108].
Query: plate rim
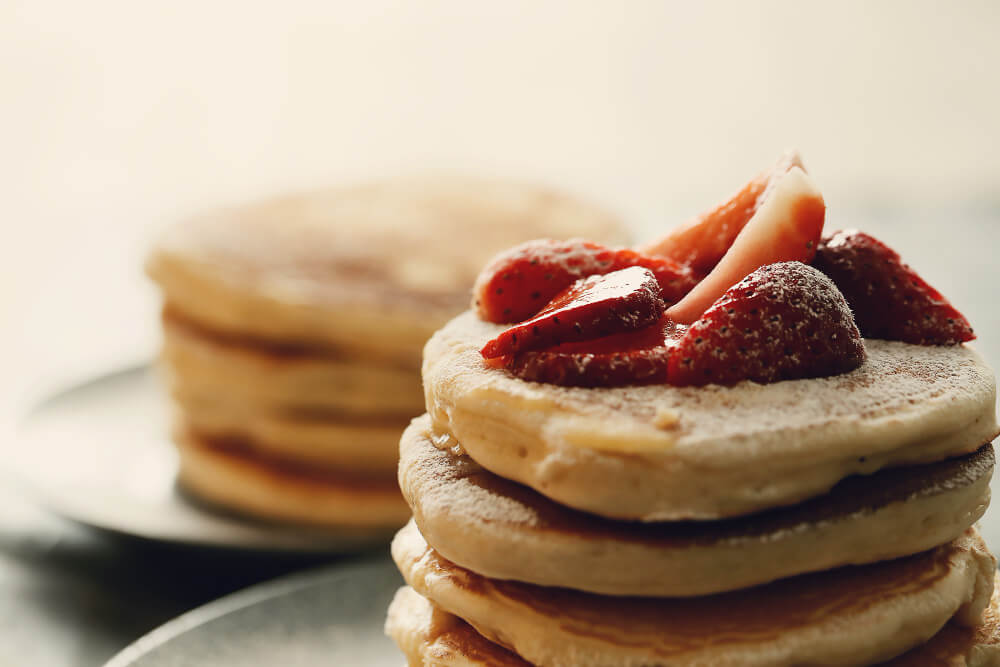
[266, 538]
[244, 598]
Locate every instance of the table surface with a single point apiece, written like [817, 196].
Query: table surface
[73, 596]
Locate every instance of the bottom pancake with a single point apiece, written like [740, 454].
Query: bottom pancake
[429, 636]
[504, 530]
[234, 478]
[850, 616]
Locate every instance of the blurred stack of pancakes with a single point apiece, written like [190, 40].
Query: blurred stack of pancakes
[293, 330]
[827, 521]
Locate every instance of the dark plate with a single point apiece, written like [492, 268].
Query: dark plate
[98, 453]
[331, 616]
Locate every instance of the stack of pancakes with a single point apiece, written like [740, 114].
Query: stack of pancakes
[822, 521]
[293, 330]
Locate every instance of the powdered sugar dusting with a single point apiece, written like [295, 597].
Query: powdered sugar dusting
[901, 392]
[783, 321]
[444, 485]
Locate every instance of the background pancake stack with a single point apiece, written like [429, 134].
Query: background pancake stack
[293, 330]
[539, 532]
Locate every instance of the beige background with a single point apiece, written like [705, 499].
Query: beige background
[118, 117]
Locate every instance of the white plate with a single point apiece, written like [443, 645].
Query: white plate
[332, 616]
[98, 453]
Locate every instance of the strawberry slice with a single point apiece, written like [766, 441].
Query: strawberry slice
[519, 281]
[631, 358]
[787, 227]
[888, 298]
[702, 242]
[783, 321]
[592, 307]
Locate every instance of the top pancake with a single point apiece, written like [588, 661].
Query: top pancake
[657, 453]
[375, 266]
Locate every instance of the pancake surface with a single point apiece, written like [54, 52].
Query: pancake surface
[850, 616]
[201, 364]
[503, 530]
[227, 474]
[658, 452]
[430, 636]
[375, 267]
[364, 444]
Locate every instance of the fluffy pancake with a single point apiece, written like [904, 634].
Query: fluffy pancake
[503, 530]
[960, 646]
[430, 637]
[376, 267]
[359, 444]
[226, 474]
[853, 615]
[657, 452]
[201, 365]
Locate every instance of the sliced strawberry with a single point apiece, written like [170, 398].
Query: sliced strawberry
[518, 282]
[888, 298]
[787, 227]
[592, 307]
[632, 358]
[783, 321]
[702, 242]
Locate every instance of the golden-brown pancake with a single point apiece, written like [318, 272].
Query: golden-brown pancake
[849, 616]
[375, 267]
[351, 443]
[230, 475]
[261, 377]
[431, 637]
[503, 530]
[958, 645]
[295, 325]
[661, 453]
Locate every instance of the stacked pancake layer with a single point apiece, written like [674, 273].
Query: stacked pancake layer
[293, 330]
[822, 521]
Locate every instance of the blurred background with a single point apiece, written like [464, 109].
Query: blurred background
[120, 117]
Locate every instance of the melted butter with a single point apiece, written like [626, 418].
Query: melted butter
[443, 440]
[666, 419]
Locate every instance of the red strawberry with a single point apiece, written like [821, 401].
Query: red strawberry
[889, 299]
[783, 321]
[787, 227]
[702, 242]
[635, 357]
[518, 282]
[591, 307]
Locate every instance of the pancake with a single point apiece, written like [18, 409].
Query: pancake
[359, 444]
[849, 616]
[429, 636]
[503, 530]
[228, 475]
[201, 365]
[432, 637]
[960, 646]
[663, 453]
[376, 267]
